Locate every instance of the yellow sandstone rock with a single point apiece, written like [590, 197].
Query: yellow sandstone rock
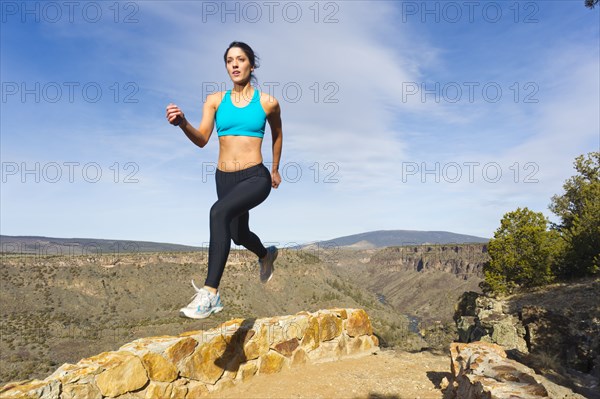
[77, 391]
[180, 390]
[159, 390]
[358, 323]
[258, 345]
[196, 389]
[247, 370]
[330, 326]
[299, 358]
[311, 338]
[124, 373]
[271, 363]
[343, 313]
[201, 365]
[22, 389]
[159, 368]
[181, 349]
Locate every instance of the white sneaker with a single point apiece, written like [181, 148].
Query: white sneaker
[204, 303]
[266, 265]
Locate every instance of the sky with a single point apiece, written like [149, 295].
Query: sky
[414, 115]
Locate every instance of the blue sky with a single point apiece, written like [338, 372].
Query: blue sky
[396, 115]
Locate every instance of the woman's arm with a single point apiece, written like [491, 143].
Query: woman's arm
[274, 118]
[201, 135]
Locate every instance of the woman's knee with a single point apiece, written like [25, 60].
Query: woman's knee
[218, 211]
[239, 237]
[236, 240]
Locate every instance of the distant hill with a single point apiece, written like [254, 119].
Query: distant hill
[392, 238]
[40, 245]
[81, 246]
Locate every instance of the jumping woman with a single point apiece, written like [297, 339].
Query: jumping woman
[242, 180]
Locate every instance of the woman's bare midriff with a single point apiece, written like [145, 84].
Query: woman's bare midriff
[239, 152]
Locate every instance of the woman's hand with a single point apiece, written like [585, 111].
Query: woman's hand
[174, 115]
[275, 179]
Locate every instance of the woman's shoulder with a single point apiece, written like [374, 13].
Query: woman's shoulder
[216, 98]
[268, 102]
[264, 96]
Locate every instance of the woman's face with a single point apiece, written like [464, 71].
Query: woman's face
[238, 65]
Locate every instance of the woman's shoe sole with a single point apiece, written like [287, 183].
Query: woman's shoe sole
[216, 310]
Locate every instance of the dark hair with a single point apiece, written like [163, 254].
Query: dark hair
[253, 58]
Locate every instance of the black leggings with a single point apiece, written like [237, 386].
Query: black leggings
[238, 192]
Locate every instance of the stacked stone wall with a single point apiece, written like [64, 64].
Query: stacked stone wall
[196, 363]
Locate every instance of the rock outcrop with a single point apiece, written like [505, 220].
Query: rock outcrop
[464, 260]
[480, 318]
[551, 330]
[574, 339]
[481, 370]
[198, 362]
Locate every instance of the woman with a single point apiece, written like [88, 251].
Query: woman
[242, 180]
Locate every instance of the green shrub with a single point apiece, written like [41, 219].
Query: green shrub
[579, 210]
[522, 253]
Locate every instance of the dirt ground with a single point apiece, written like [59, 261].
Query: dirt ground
[388, 374]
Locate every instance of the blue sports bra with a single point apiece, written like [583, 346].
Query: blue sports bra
[235, 121]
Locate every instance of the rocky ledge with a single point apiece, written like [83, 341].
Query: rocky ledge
[481, 370]
[198, 362]
[556, 332]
